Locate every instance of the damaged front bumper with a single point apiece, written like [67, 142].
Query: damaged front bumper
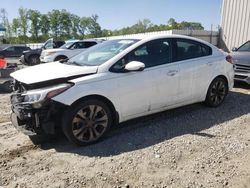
[35, 120]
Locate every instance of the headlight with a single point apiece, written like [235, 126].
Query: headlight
[40, 95]
[32, 98]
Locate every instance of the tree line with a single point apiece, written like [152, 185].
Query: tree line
[33, 26]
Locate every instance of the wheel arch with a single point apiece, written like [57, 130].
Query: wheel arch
[114, 113]
[223, 77]
[60, 56]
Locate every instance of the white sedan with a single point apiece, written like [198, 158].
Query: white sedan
[116, 81]
[68, 50]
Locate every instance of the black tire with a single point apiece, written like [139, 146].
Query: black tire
[33, 60]
[87, 122]
[7, 87]
[41, 138]
[61, 57]
[217, 92]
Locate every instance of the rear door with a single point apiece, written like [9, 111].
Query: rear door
[195, 68]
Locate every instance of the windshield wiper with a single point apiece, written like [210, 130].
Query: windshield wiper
[66, 61]
[73, 63]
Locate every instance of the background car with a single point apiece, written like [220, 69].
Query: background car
[32, 57]
[67, 50]
[13, 50]
[241, 58]
[5, 71]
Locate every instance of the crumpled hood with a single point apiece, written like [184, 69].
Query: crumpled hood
[51, 71]
[241, 58]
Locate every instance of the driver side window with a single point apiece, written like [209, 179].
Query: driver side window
[153, 53]
[10, 49]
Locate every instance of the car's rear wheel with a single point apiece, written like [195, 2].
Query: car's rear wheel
[34, 60]
[87, 122]
[217, 92]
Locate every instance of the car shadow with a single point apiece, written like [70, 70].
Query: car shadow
[147, 131]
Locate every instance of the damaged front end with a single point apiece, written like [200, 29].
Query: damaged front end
[34, 112]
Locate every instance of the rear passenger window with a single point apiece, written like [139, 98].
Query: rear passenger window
[187, 49]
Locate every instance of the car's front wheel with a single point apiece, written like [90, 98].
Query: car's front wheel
[87, 122]
[217, 92]
[34, 60]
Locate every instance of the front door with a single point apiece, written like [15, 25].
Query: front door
[152, 88]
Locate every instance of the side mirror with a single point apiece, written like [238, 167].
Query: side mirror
[135, 66]
[234, 49]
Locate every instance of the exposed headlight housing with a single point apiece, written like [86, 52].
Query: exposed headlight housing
[32, 97]
[39, 95]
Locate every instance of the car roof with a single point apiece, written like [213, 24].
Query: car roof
[17, 45]
[145, 37]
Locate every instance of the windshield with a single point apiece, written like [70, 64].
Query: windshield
[101, 53]
[244, 47]
[48, 44]
[67, 45]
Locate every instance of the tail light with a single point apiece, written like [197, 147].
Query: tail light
[3, 63]
[229, 59]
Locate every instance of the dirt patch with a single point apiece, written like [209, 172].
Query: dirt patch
[193, 146]
[4, 108]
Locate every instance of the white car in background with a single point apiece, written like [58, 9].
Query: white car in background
[66, 51]
[116, 81]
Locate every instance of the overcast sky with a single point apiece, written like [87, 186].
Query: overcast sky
[115, 14]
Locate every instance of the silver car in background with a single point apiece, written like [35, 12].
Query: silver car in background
[241, 58]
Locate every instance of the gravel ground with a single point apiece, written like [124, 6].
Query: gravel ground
[193, 146]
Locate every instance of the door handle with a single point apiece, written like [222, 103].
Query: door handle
[172, 72]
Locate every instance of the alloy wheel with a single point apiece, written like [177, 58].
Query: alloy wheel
[34, 60]
[218, 92]
[89, 123]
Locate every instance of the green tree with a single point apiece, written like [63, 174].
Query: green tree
[172, 23]
[34, 16]
[75, 25]
[94, 27]
[15, 26]
[141, 26]
[106, 33]
[84, 25]
[191, 25]
[44, 25]
[23, 18]
[65, 24]
[54, 17]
